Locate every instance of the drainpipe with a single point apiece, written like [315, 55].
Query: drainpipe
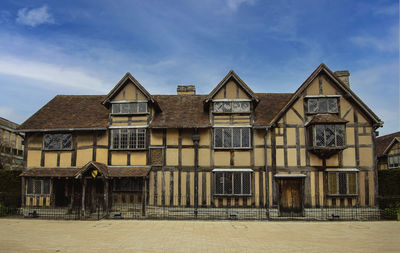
[196, 139]
[266, 173]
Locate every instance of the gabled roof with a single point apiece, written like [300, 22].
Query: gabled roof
[121, 84]
[234, 76]
[181, 111]
[69, 112]
[270, 104]
[383, 143]
[323, 68]
[92, 164]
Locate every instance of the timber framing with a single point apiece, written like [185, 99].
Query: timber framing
[261, 150]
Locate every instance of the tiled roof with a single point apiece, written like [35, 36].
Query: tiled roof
[383, 142]
[326, 118]
[181, 111]
[270, 104]
[6, 123]
[108, 171]
[69, 111]
[87, 112]
[50, 172]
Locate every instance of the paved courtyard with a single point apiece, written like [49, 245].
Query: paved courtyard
[23, 235]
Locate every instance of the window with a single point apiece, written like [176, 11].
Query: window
[342, 183]
[129, 108]
[232, 137]
[58, 141]
[128, 138]
[38, 186]
[394, 161]
[322, 105]
[232, 106]
[327, 135]
[13, 141]
[232, 183]
[127, 185]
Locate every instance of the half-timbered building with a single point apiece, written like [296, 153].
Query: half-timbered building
[285, 152]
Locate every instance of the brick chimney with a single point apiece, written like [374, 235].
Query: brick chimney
[343, 75]
[186, 90]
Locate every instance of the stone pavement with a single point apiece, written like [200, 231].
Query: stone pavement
[24, 235]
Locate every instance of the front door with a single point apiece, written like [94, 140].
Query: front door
[291, 197]
[94, 195]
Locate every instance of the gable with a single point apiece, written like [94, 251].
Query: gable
[231, 90]
[393, 147]
[232, 87]
[129, 92]
[322, 82]
[129, 88]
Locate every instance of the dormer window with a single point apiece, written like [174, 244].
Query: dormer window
[322, 104]
[231, 106]
[129, 108]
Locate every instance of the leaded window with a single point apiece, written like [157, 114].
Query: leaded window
[129, 108]
[127, 185]
[342, 183]
[332, 135]
[394, 161]
[232, 183]
[322, 105]
[38, 186]
[232, 106]
[58, 141]
[232, 137]
[128, 138]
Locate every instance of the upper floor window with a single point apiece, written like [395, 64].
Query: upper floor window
[232, 137]
[57, 141]
[323, 105]
[128, 138]
[342, 183]
[232, 106]
[129, 108]
[332, 135]
[394, 161]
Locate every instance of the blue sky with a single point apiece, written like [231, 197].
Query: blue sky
[85, 47]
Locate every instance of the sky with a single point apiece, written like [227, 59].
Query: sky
[85, 47]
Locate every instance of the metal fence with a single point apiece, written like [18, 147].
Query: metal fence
[183, 208]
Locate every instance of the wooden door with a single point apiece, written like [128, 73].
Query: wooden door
[291, 197]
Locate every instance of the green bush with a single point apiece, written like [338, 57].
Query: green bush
[389, 182]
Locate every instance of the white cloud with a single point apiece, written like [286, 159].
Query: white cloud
[234, 4]
[51, 74]
[35, 17]
[386, 43]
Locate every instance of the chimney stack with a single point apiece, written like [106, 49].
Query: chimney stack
[343, 75]
[186, 90]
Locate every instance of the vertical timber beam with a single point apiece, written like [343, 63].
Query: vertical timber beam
[196, 139]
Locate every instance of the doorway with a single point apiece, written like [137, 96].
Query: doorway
[291, 197]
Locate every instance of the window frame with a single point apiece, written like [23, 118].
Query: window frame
[232, 173]
[230, 101]
[61, 140]
[128, 144]
[318, 98]
[314, 136]
[223, 128]
[338, 194]
[119, 103]
[390, 157]
[32, 181]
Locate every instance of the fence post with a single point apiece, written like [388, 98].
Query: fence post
[196, 139]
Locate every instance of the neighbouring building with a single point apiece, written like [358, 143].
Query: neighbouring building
[388, 151]
[291, 153]
[11, 146]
